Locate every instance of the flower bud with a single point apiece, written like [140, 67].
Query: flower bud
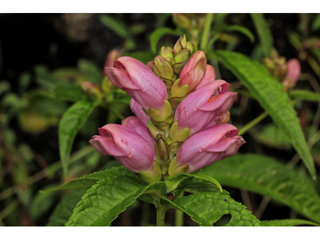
[91, 90]
[163, 69]
[162, 151]
[180, 60]
[205, 148]
[294, 71]
[208, 77]
[167, 53]
[182, 20]
[194, 70]
[190, 46]
[180, 44]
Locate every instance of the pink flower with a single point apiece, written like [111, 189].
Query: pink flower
[194, 70]
[209, 146]
[199, 108]
[138, 111]
[294, 70]
[139, 82]
[208, 77]
[136, 125]
[126, 145]
[112, 56]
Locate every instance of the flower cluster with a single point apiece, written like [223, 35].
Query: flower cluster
[181, 115]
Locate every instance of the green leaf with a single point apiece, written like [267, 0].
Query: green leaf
[208, 207]
[91, 71]
[268, 177]
[237, 28]
[70, 124]
[115, 25]
[264, 33]
[64, 209]
[158, 33]
[142, 56]
[105, 200]
[316, 23]
[87, 181]
[287, 222]
[305, 95]
[41, 203]
[270, 136]
[270, 94]
[69, 93]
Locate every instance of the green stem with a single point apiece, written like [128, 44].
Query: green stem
[253, 123]
[161, 212]
[179, 215]
[206, 31]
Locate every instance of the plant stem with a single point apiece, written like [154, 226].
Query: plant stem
[161, 212]
[253, 123]
[179, 215]
[206, 31]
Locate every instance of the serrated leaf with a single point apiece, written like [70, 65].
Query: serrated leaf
[208, 207]
[87, 181]
[115, 25]
[158, 33]
[105, 200]
[268, 177]
[287, 222]
[263, 32]
[305, 95]
[69, 93]
[237, 28]
[64, 209]
[270, 94]
[71, 122]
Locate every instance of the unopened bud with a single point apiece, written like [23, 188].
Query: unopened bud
[151, 176]
[180, 60]
[167, 53]
[162, 68]
[162, 151]
[180, 44]
[112, 56]
[91, 90]
[181, 20]
[190, 46]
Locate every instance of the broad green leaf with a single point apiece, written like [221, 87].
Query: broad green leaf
[70, 123]
[304, 95]
[44, 77]
[87, 181]
[64, 209]
[105, 200]
[237, 28]
[287, 222]
[69, 93]
[270, 94]
[158, 33]
[268, 177]
[208, 207]
[143, 56]
[115, 25]
[41, 203]
[264, 33]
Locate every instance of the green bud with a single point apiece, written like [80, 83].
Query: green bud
[151, 176]
[167, 53]
[162, 68]
[106, 85]
[181, 19]
[190, 46]
[180, 44]
[156, 133]
[177, 135]
[180, 60]
[162, 151]
[174, 169]
[161, 115]
[179, 91]
[91, 90]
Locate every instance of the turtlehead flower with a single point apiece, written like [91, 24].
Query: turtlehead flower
[205, 148]
[200, 108]
[194, 70]
[138, 111]
[208, 77]
[136, 125]
[139, 82]
[125, 145]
